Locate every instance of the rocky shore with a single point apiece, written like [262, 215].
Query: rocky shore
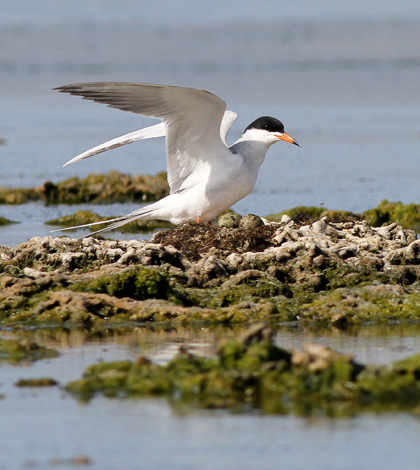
[336, 270]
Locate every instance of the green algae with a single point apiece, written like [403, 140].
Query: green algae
[112, 187]
[138, 283]
[142, 294]
[253, 373]
[311, 211]
[18, 195]
[407, 215]
[234, 295]
[16, 351]
[24, 295]
[377, 302]
[95, 188]
[89, 281]
[4, 221]
[39, 382]
[81, 217]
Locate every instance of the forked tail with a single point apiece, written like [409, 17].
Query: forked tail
[117, 222]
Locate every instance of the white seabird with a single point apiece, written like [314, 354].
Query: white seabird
[205, 175]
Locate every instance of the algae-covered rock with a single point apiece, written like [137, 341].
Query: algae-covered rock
[113, 187]
[282, 271]
[78, 218]
[252, 372]
[406, 215]
[4, 221]
[105, 188]
[137, 283]
[312, 212]
[18, 195]
[15, 351]
[41, 382]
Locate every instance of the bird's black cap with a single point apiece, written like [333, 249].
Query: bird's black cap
[267, 123]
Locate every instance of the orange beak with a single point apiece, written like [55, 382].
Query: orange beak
[287, 138]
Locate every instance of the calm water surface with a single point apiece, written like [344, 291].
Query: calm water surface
[40, 425]
[343, 77]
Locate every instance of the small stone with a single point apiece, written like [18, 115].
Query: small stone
[250, 221]
[229, 220]
[318, 261]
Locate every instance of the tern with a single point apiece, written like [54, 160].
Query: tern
[205, 175]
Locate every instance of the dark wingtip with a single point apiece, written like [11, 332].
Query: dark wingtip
[61, 89]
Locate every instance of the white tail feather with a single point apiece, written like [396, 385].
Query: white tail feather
[88, 225]
[115, 225]
[117, 222]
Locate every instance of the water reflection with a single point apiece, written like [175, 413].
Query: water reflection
[376, 343]
[47, 425]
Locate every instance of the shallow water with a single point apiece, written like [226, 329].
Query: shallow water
[39, 426]
[343, 78]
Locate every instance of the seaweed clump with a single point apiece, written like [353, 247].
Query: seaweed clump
[137, 283]
[111, 187]
[4, 221]
[407, 215]
[95, 188]
[15, 351]
[254, 373]
[195, 240]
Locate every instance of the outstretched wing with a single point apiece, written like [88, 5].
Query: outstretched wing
[192, 117]
[158, 130]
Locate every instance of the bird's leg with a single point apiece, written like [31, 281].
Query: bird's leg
[198, 221]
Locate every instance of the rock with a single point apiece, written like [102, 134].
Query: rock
[329, 270]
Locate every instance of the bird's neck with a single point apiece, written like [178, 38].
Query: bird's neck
[251, 150]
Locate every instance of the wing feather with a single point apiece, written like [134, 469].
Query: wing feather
[158, 130]
[192, 117]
